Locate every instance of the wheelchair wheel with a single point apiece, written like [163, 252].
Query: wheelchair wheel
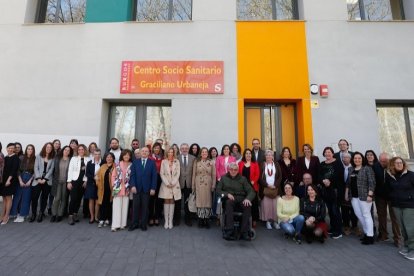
[252, 233]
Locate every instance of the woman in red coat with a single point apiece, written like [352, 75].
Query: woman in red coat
[250, 170]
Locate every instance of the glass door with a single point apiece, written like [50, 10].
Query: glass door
[275, 125]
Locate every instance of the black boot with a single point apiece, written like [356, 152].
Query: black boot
[200, 223]
[368, 240]
[33, 218]
[58, 219]
[53, 219]
[206, 223]
[40, 217]
[363, 238]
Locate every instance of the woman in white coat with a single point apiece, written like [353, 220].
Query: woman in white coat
[77, 182]
[170, 187]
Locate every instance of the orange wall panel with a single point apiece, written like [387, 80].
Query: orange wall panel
[272, 66]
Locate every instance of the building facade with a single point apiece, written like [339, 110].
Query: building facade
[61, 72]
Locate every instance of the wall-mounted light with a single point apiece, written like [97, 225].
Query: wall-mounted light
[314, 89]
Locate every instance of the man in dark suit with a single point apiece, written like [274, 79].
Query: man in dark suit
[186, 174]
[143, 182]
[343, 146]
[258, 153]
[134, 146]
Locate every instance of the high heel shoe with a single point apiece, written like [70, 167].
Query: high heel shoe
[33, 218]
[40, 217]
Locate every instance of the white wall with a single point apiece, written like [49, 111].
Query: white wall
[361, 62]
[57, 80]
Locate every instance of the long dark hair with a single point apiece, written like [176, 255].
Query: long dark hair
[191, 149]
[29, 161]
[60, 153]
[244, 155]
[21, 148]
[373, 153]
[211, 150]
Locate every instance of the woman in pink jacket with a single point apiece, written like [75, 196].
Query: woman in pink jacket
[223, 161]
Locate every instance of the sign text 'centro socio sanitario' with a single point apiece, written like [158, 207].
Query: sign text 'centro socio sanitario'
[172, 77]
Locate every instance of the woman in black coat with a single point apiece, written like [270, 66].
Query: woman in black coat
[10, 181]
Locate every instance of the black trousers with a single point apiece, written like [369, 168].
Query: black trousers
[156, 205]
[185, 193]
[255, 208]
[349, 218]
[42, 191]
[140, 202]
[232, 205]
[76, 195]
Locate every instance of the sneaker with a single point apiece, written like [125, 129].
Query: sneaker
[276, 225]
[268, 225]
[106, 223]
[19, 219]
[410, 255]
[336, 236]
[403, 251]
[101, 224]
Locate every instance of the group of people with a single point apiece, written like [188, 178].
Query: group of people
[142, 184]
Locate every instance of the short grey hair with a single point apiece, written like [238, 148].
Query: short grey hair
[233, 165]
[346, 154]
[268, 151]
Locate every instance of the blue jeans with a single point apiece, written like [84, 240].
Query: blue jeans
[21, 198]
[293, 227]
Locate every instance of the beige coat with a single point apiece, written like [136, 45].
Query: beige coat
[170, 186]
[204, 180]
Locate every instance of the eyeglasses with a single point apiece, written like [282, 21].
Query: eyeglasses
[398, 163]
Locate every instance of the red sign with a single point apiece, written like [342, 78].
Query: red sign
[196, 77]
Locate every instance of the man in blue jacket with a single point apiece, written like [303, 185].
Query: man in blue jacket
[143, 182]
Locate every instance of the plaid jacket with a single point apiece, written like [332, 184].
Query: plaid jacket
[365, 182]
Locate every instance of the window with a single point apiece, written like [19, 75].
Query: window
[267, 9]
[145, 122]
[61, 11]
[375, 10]
[163, 10]
[396, 126]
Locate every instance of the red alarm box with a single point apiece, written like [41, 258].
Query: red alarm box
[323, 90]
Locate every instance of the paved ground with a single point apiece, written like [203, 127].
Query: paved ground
[83, 249]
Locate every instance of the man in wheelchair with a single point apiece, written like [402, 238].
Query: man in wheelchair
[237, 194]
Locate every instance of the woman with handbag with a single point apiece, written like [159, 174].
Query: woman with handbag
[271, 178]
[120, 190]
[204, 182]
[170, 189]
[21, 199]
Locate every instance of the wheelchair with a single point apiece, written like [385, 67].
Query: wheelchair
[237, 216]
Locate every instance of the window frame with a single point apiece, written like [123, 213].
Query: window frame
[409, 131]
[140, 118]
[295, 11]
[41, 13]
[361, 6]
[170, 13]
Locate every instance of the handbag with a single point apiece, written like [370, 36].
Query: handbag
[270, 193]
[191, 201]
